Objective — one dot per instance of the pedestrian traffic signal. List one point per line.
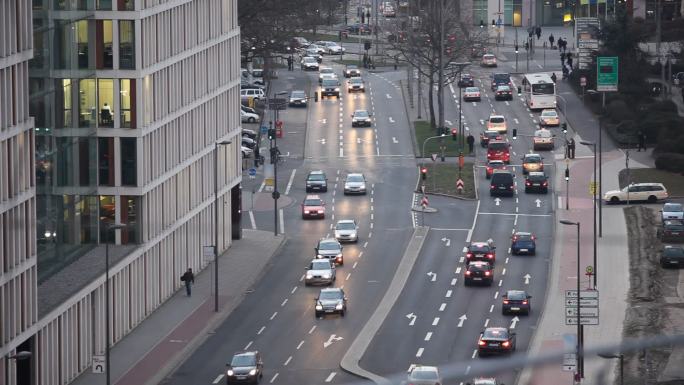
(423, 173)
(271, 133)
(516, 47)
(515, 133)
(453, 133)
(565, 128)
(367, 45)
(567, 173)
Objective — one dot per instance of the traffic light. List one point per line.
(274, 154)
(367, 45)
(567, 173)
(515, 133)
(516, 47)
(271, 133)
(565, 128)
(481, 24)
(453, 133)
(423, 173)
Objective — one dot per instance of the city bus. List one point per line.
(539, 91)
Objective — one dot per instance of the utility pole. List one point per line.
(440, 76)
(376, 26)
(659, 37)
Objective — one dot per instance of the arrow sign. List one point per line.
(447, 240)
(538, 202)
(332, 339)
(321, 141)
(527, 278)
(514, 322)
(391, 120)
(395, 140)
(461, 319)
(433, 276)
(359, 140)
(497, 201)
(323, 121)
(388, 96)
(412, 317)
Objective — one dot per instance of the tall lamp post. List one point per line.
(108, 341)
(216, 220)
(580, 343)
(274, 160)
(587, 143)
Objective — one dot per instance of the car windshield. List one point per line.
(674, 225)
(549, 114)
(361, 114)
(356, 81)
(543, 134)
(243, 360)
(489, 56)
(345, 226)
(543, 88)
(672, 207)
(496, 163)
(516, 295)
(478, 267)
(327, 71)
(309, 59)
(466, 77)
(491, 134)
(312, 202)
(479, 248)
(501, 77)
(497, 119)
(674, 252)
(330, 295)
(320, 264)
(472, 89)
(298, 94)
(311, 52)
(328, 246)
(497, 146)
(495, 333)
(536, 178)
(330, 82)
(424, 375)
(503, 88)
(354, 178)
(532, 159)
(316, 177)
(352, 67)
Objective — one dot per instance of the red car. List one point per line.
(498, 150)
(494, 165)
(488, 135)
(313, 207)
(481, 251)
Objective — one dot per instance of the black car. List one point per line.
(479, 272)
(331, 249)
(516, 301)
(496, 341)
(672, 231)
(503, 92)
(359, 29)
(672, 256)
(245, 368)
(298, 98)
(330, 87)
(331, 301)
(502, 183)
(248, 142)
(316, 181)
(536, 181)
(466, 80)
(480, 251)
(523, 243)
(488, 135)
(500, 79)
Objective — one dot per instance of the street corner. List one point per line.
(263, 201)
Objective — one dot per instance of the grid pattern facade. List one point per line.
(18, 286)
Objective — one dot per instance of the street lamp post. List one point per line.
(108, 342)
(579, 320)
(216, 220)
(274, 160)
(586, 143)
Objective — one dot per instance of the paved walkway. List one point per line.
(170, 334)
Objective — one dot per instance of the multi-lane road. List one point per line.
(436, 320)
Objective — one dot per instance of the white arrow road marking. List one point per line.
(333, 338)
(516, 120)
(323, 121)
(447, 240)
(321, 141)
(420, 352)
(394, 140)
(448, 122)
(388, 96)
(330, 377)
(433, 276)
(538, 202)
(461, 319)
(460, 260)
(497, 201)
(527, 278)
(412, 317)
(507, 103)
(391, 120)
(428, 336)
(482, 122)
(514, 322)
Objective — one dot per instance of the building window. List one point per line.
(105, 101)
(127, 103)
(107, 217)
(126, 5)
(105, 161)
(87, 108)
(129, 216)
(82, 43)
(105, 5)
(103, 34)
(129, 172)
(126, 44)
(480, 12)
(71, 5)
(63, 103)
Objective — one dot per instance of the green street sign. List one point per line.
(606, 73)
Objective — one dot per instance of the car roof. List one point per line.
(648, 184)
(331, 290)
(497, 116)
(352, 66)
(549, 110)
(496, 161)
(514, 292)
(247, 353)
(312, 196)
(496, 329)
(532, 155)
(313, 172)
(522, 233)
(478, 244)
(328, 240)
(479, 263)
(499, 172)
(488, 54)
(503, 86)
(472, 89)
(346, 221)
(361, 111)
(354, 174)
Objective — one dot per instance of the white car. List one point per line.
(331, 48)
(542, 140)
(320, 271)
(472, 93)
(423, 375)
(346, 230)
(246, 152)
(672, 211)
(248, 117)
(355, 184)
(326, 73)
(649, 192)
(309, 63)
(318, 48)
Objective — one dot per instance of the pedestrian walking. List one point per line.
(365, 60)
(289, 63)
(551, 40)
(538, 32)
(471, 142)
(569, 59)
(571, 148)
(642, 141)
(189, 279)
(553, 77)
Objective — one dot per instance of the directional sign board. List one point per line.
(252, 173)
(588, 305)
(570, 302)
(607, 73)
(264, 129)
(99, 365)
(584, 294)
(585, 312)
(584, 320)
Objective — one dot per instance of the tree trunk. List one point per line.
(431, 100)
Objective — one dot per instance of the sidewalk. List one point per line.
(170, 334)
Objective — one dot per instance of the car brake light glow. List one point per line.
(524, 302)
(487, 273)
(490, 256)
(481, 343)
(545, 184)
(506, 344)
(467, 272)
(527, 183)
(469, 255)
(505, 302)
(491, 187)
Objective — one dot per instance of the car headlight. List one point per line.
(306, 211)
(326, 275)
(229, 372)
(309, 275)
(337, 234)
(361, 86)
(338, 306)
(338, 256)
(319, 307)
(337, 88)
(252, 372)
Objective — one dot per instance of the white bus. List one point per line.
(539, 91)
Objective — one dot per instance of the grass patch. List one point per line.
(672, 181)
(423, 131)
(442, 179)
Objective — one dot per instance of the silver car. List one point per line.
(361, 118)
(355, 184)
(423, 375)
(320, 272)
(330, 249)
(673, 211)
(346, 230)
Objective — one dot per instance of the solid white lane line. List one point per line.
(274, 378)
(248, 345)
(252, 220)
(274, 315)
(218, 378)
(491, 308)
(486, 322)
(289, 183)
(435, 321)
(442, 307)
(472, 228)
(448, 294)
(261, 330)
(348, 275)
(453, 281)
(287, 361)
(354, 265)
(312, 329)
(330, 377)
(419, 353)
(428, 336)
(284, 302)
(300, 344)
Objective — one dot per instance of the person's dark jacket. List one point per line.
(470, 139)
(188, 277)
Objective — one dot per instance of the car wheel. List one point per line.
(251, 120)
(614, 200)
(652, 199)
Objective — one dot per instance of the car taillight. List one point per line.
(506, 344)
(491, 187)
(490, 256)
(489, 155)
(469, 255)
(525, 302)
(467, 272)
(544, 184)
(487, 273)
(481, 343)
(527, 183)
(510, 187)
(505, 302)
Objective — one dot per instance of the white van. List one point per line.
(649, 192)
(255, 93)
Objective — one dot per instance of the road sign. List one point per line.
(434, 157)
(583, 302)
(584, 312)
(606, 73)
(264, 129)
(589, 270)
(583, 81)
(459, 184)
(99, 364)
(584, 320)
(424, 202)
(252, 173)
(569, 368)
(583, 294)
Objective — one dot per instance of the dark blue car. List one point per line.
(523, 243)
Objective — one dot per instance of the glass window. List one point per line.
(127, 103)
(104, 5)
(63, 99)
(71, 5)
(105, 161)
(107, 217)
(105, 101)
(129, 216)
(126, 5)
(126, 44)
(480, 12)
(103, 34)
(87, 108)
(82, 43)
(129, 174)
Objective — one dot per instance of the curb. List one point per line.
(412, 132)
(350, 360)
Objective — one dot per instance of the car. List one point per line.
(320, 272)
(248, 142)
(245, 367)
(480, 251)
(536, 181)
(549, 118)
(361, 118)
(317, 47)
(502, 183)
(543, 140)
(331, 48)
(258, 76)
(330, 87)
(649, 192)
(472, 94)
(497, 123)
(246, 152)
(672, 230)
(501, 79)
(255, 93)
(249, 133)
(326, 73)
(496, 340)
(672, 256)
(516, 301)
(248, 109)
(478, 272)
(532, 162)
(356, 84)
(346, 230)
(248, 117)
(331, 301)
(359, 29)
(423, 375)
(312, 52)
(466, 80)
(488, 60)
(298, 98)
(672, 211)
(250, 86)
(523, 243)
(351, 70)
(396, 37)
(316, 181)
(355, 183)
(309, 64)
(484, 381)
(487, 135)
(299, 42)
(494, 165)
(331, 249)
(503, 92)
(499, 150)
(313, 207)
